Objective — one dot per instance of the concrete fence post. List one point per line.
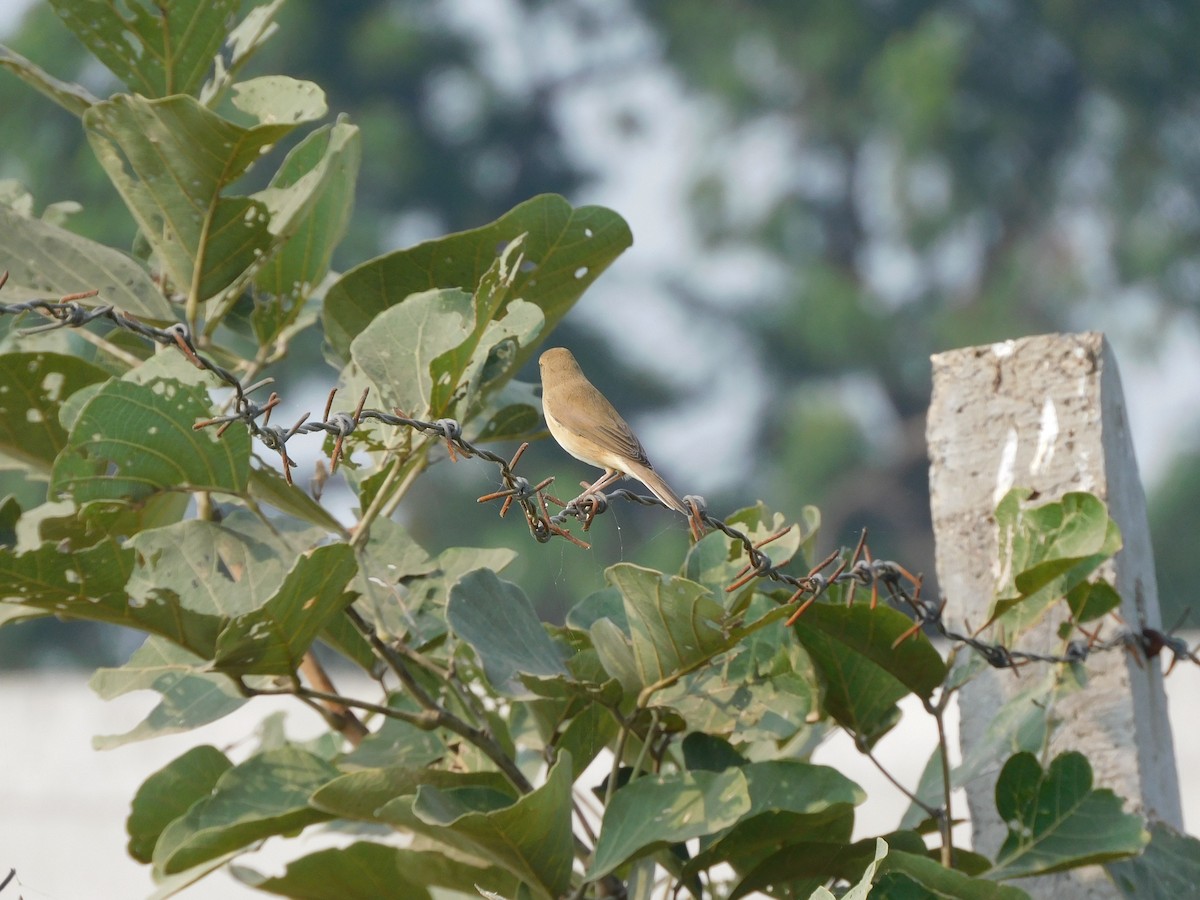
(1047, 413)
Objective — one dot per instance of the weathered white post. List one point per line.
(1047, 413)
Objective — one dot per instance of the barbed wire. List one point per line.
(853, 569)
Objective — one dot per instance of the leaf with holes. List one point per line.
(33, 387)
(156, 49)
(272, 640)
(191, 697)
(310, 199)
(564, 251)
(89, 584)
(210, 567)
(172, 159)
(131, 441)
(485, 360)
(43, 259)
(241, 42)
(72, 97)
(430, 355)
(395, 353)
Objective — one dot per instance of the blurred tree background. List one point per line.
(822, 194)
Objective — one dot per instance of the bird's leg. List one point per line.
(610, 476)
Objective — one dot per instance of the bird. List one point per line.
(587, 426)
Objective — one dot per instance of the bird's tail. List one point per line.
(660, 489)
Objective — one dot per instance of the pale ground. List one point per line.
(63, 805)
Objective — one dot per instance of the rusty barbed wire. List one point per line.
(855, 569)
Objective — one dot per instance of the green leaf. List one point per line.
(310, 199)
(190, 696)
(396, 739)
(656, 811)
(1056, 536)
(565, 249)
(171, 159)
(790, 802)
(586, 735)
(909, 874)
(530, 838)
(498, 621)
(802, 866)
(418, 610)
(72, 97)
(1021, 724)
(156, 49)
(132, 440)
(862, 674)
(707, 753)
(487, 356)
(615, 654)
(511, 413)
(675, 625)
(273, 639)
(33, 387)
(717, 560)
(168, 793)
(915, 662)
(1056, 820)
(1046, 551)
(370, 871)
(363, 795)
(340, 634)
(264, 796)
(90, 584)
(1168, 868)
(241, 43)
(487, 299)
(208, 567)
(512, 422)
(1090, 600)
(396, 351)
(755, 694)
(606, 603)
(410, 353)
(44, 260)
(269, 486)
(862, 889)
(771, 708)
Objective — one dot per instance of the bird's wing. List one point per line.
(622, 440)
(617, 438)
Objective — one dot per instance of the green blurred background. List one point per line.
(822, 194)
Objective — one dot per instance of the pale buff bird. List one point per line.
(585, 425)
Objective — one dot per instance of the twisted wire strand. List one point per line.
(853, 568)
